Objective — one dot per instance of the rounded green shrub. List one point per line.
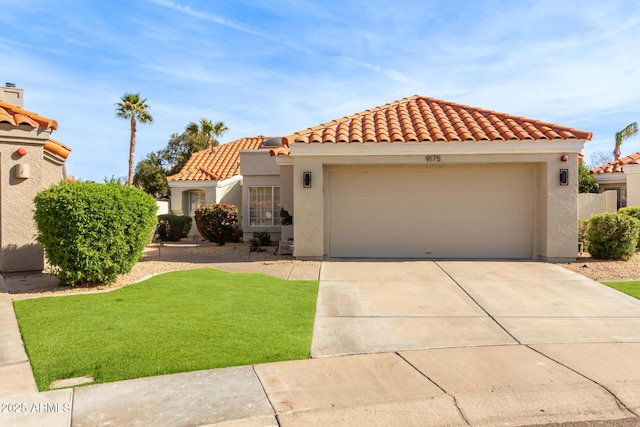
(172, 228)
(633, 211)
(613, 236)
(263, 236)
(93, 232)
(216, 222)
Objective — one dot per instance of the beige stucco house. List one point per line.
(30, 161)
(415, 178)
(622, 176)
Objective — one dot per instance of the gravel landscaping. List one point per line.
(186, 255)
(156, 260)
(603, 271)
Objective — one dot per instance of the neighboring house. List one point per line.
(415, 178)
(30, 161)
(210, 176)
(623, 176)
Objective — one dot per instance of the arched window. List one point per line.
(192, 200)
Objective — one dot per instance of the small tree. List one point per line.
(587, 183)
(216, 222)
(92, 232)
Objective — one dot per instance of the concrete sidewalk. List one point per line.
(526, 374)
(477, 386)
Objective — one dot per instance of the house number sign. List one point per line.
(433, 158)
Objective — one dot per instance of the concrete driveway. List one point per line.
(378, 306)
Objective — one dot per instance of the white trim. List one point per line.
(631, 168)
(422, 148)
(284, 160)
(612, 178)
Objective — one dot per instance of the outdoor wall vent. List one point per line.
(22, 171)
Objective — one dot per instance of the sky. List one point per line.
(275, 67)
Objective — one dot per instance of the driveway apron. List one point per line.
(375, 306)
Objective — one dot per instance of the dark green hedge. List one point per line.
(172, 228)
(92, 232)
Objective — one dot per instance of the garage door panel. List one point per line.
(442, 213)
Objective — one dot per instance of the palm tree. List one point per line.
(625, 133)
(136, 110)
(209, 129)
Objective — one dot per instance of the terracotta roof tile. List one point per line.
(216, 164)
(617, 166)
(57, 147)
(16, 116)
(421, 119)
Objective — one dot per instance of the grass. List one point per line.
(629, 287)
(175, 322)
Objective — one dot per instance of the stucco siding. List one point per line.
(20, 252)
(554, 207)
(632, 173)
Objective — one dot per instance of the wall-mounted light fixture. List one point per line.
(564, 176)
(306, 179)
(564, 158)
(21, 152)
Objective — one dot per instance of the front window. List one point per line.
(196, 199)
(264, 206)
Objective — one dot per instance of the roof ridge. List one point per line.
(434, 120)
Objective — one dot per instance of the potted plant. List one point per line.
(286, 231)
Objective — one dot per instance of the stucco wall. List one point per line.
(20, 251)
(632, 173)
(590, 204)
(258, 169)
(562, 210)
(555, 210)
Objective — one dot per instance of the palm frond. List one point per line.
(625, 133)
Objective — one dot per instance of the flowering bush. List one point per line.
(216, 222)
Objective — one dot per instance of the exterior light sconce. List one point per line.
(21, 152)
(306, 179)
(564, 158)
(564, 176)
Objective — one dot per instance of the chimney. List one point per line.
(9, 93)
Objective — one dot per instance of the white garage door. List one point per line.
(439, 212)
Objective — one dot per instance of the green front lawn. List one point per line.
(175, 322)
(629, 287)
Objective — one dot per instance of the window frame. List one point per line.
(255, 221)
(192, 209)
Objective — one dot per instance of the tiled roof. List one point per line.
(16, 116)
(617, 165)
(216, 164)
(421, 119)
(57, 147)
